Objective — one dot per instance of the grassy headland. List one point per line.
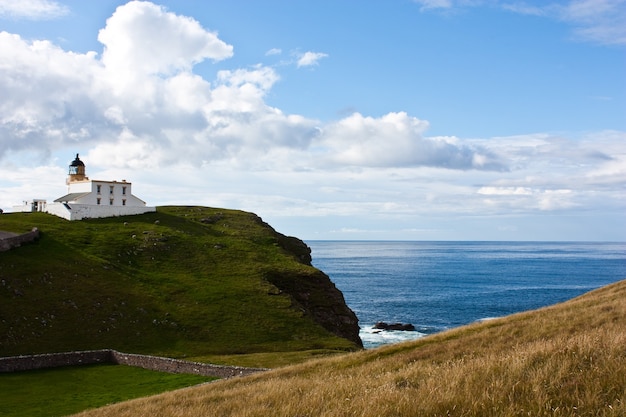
(187, 282)
(564, 360)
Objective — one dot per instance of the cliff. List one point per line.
(180, 282)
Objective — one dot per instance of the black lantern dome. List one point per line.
(77, 170)
(77, 162)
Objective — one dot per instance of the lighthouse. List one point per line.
(76, 171)
(87, 198)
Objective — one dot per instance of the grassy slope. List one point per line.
(182, 282)
(565, 360)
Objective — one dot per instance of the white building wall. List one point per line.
(59, 209)
(71, 211)
(106, 193)
(79, 187)
(31, 206)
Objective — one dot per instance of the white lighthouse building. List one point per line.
(87, 198)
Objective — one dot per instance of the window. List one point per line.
(110, 202)
(124, 202)
(98, 189)
(123, 190)
(97, 201)
(111, 189)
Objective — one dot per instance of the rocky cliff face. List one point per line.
(315, 293)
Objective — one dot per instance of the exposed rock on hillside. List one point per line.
(315, 293)
(318, 297)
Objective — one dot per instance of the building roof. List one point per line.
(77, 162)
(70, 197)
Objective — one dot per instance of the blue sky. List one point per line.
(416, 120)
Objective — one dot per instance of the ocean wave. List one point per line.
(373, 338)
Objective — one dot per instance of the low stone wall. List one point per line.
(178, 366)
(155, 363)
(53, 360)
(11, 242)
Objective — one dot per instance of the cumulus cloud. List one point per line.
(140, 104)
(143, 38)
(46, 94)
(396, 139)
(32, 9)
(308, 59)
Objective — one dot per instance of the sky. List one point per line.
(332, 120)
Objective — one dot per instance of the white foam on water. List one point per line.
(373, 338)
(487, 319)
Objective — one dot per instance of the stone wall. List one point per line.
(155, 363)
(11, 242)
(178, 366)
(53, 360)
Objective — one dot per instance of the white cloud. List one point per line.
(45, 94)
(274, 51)
(308, 59)
(143, 38)
(32, 9)
(516, 198)
(397, 139)
(435, 4)
(505, 191)
(141, 106)
(528, 9)
(601, 21)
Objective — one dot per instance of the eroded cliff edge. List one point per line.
(316, 293)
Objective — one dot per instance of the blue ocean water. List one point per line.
(441, 285)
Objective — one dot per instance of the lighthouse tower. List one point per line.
(76, 171)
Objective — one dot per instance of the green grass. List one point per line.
(564, 360)
(181, 282)
(63, 391)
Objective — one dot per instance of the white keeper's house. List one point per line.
(87, 198)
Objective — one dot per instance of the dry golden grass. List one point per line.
(565, 360)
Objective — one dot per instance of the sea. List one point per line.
(441, 285)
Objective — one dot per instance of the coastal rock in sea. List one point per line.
(408, 327)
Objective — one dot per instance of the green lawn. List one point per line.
(68, 390)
